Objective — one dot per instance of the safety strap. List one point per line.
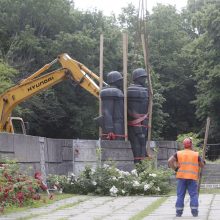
(139, 158)
(139, 118)
(113, 136)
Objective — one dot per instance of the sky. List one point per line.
(109, 6)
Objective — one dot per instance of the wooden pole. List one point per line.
(125, 81)
(204, 150)
(150, 103)
(100, 78)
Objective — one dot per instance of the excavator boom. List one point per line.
(70, 69)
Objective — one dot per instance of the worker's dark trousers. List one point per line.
(191, 186)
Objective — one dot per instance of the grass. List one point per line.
(210, 191)
(36, 204)
(148, 210)
(69, 205)
(213, 161)
(202, 191)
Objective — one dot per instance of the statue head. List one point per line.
(139, 76)
(115, 78)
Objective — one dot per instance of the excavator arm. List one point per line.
(39, 81)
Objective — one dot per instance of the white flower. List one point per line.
(146, 187)
(116, 169)
(134, 172)
(122, 191)
(114, 178)
(124, 173)
(158, 189)
(105, 166)
(136, 183)
(92, 171)
(153, 174)
(113, 191)
(72, 174)
(94, 183)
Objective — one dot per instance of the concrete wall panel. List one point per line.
(67, 153)
(26, 148)
(54, 150)
(6, 142)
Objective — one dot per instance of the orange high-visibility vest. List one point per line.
(188, 164)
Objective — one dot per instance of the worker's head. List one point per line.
(114, 78)
(139, 76)
(187, 143)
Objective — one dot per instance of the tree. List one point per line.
(167, 39)
(204, 52)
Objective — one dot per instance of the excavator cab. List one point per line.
(18, 125)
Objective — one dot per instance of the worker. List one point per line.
(112, 102)
(137, 114)
(186, 163)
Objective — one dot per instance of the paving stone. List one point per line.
(119, 208)
(44, 210)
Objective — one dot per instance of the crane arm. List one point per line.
(37, 82)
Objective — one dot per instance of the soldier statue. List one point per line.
(137, 114)
(112, 102)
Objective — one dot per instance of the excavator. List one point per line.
(39, 81)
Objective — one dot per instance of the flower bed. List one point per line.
(108, 180)
(16, 189)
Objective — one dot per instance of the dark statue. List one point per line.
(112, 101)
(137, 114)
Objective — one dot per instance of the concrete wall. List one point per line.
(60, 156)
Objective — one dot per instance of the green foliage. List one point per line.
(57, 182)
(108, 180)
(184, 55)
(197, 142)
(7, 73)
(166, 40)
(204, 52)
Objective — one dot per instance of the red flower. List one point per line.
(30, 188)
(9, 178)
(36, 197)
(20, 196)
(38, 176)
(5, 195)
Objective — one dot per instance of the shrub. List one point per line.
(16, 188)
(108, 180)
